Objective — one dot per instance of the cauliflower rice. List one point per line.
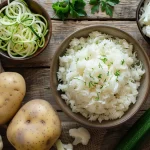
(99, 76)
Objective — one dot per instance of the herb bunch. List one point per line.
(106, 5)
(74, 8)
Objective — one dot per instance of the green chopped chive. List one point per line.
(100, 76)
(105, 80)
(111, 63)
(91, 76)
(97, 98)
(117, 73)
(104, 59)
(122, 62)
(92, 84)
(108, 73)
(87, 58)
(101, 87)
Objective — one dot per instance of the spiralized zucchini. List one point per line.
(21, 31)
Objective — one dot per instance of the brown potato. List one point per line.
(12, 92)
(36, 126)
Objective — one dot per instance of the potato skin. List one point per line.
(12, 92)
(36, 126)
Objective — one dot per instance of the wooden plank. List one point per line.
(125, 10)
(62, 30)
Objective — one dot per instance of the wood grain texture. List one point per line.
(126, 9)
(61, 30)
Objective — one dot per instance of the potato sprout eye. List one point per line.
(28, 121)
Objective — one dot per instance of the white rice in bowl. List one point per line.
(99, 76)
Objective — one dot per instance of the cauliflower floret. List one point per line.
(81, 135)
(68, 146)
(1, 143)
(61, 146)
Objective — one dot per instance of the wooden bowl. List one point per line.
(138, 12)
(38, 9)
(143, 90)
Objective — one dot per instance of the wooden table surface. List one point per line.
(37, 71)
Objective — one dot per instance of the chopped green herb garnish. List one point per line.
(104, 59)
(111, 63)
(122, 62)
(105, 80)
(92, 84)
(101, 87)
(100, 76)
(117, 73)
(87, 58)
(91, 76)
(97, 98)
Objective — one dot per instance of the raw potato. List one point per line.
(36, 126)
(12, 92)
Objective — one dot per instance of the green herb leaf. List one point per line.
(122, 62)
(73, 13)
(100, 76)
(95, 9)
(117, 73)
(94, 2)
(109, 10)
(97, 98)
(114, 2)
(106, 5)
(75, 8)
(104, 59)
(103, 6)
(61, 9)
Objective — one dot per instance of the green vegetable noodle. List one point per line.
(21, 31)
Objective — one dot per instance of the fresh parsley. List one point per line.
(92, 84)
(74, 8)
(97, 98)
(104, 59)
(100, 76)
(117, 73)
(106, 5)
(122, 62)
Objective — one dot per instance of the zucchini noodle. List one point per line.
(21, 31)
